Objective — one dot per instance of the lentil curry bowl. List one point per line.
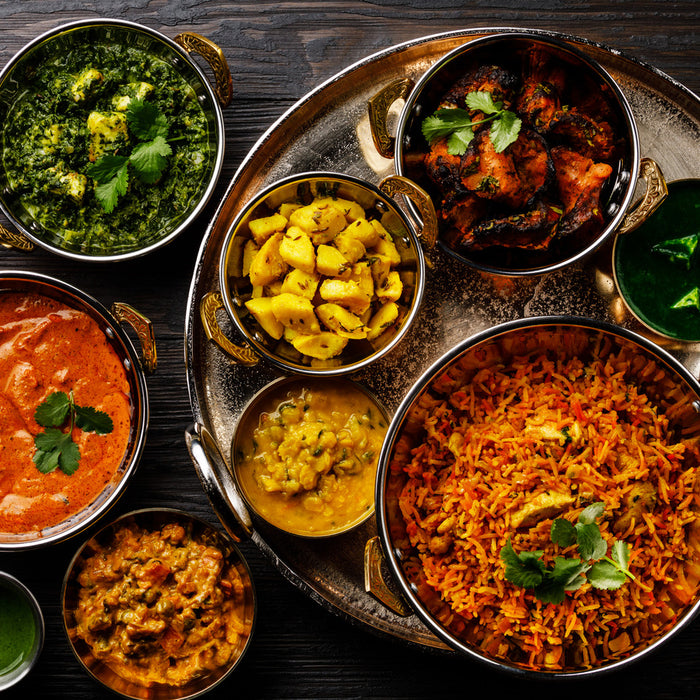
(157, 599)
(515, 452)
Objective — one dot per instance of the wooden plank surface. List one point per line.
(277, 52)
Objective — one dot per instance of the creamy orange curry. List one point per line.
(45, 347)
(309, 464)
(161, 606)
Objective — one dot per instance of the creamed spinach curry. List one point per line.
(74, 112)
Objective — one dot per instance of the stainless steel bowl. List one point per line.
(135, 365)
(153, 519)
(671, 384)
(235, 287)
(175, 52)
(506, 49)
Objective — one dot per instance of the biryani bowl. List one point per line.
(481, 455)
(225, 620)
(66, 303)
(66, 230)
(479, 222)
(272, 290)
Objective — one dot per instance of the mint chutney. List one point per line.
(18, 633)
(651, 283)
(70, 110)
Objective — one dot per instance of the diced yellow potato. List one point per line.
(289, 334)
(268, 264)
(363, 231)
(351, 248)
(301, 283)
(321, 222)
(362, 275)
(106, 129)
(392, 289)
(250, 250)
(297, 250)
(345, 293)
(385, 245)
(381, 267)
(322, 346)
(331, 262)
(286, 208)
(261, 229)
(295, 312)
(341, 321)
(351, 210)
(382, 319)
(261, 309)
(274, 288)
(258, 291)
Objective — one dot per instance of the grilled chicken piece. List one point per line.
(544, 505)
(532, 163)
(580, 181)
(583, 134)
(642, 496)
(494, 79)
(442, 167)
(537, 104)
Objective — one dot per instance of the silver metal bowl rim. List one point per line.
(164, 513)
(276, 359)
(270, 388)
(220, 139)
(140, 402)
(559, 42)
(394, 428)
(10, 679)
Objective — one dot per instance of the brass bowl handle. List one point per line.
(397, 184)
(241, 354)
(376, 585)
(378, 109)
(10, 239)
(218, 483)
(144, 331)
(214, 56)
(657, 191)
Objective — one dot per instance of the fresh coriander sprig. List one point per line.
(550, 584)
(56, 448)
(148, 159)
(456, 124)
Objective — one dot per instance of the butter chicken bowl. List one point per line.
(159, 604)
(538, 497)
(75, 408)
(321, 273)
(112, 138)
(527, 146)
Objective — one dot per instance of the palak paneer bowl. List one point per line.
(322, 273)
(112, 139)
(538, 497)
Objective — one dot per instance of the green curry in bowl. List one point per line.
(109, 142)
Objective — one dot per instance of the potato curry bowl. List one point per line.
(322, 273)
(159, 604)
(528, 148)
(305, 454)
(111, 139)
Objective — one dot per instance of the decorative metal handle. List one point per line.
(657, 191)
(375, 584)
(218, 483)
(242, 354)
(144, 331)
(378, 109)
(214, 56)
(10, 239)
(397, 184)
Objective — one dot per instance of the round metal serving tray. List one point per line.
(328, 129)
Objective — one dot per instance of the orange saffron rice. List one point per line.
(520, 431)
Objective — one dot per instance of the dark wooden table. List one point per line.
(277, 52)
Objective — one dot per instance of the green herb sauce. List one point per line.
(17, 630)
(652, 283)
(73, 109)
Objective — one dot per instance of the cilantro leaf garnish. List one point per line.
(457, 123)
(56, 448)
(550, 583)
(148, 158)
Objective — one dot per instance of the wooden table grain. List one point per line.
(278, 51)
